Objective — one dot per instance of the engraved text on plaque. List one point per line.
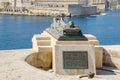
(75, 59)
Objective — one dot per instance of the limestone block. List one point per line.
(43, 42)
(98, 56)
(73, 42)
(90, 37)
(94, 42)
(42, 38)
(44, 49)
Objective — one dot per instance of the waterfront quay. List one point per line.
(18, 13)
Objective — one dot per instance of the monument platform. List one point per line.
(73, 53)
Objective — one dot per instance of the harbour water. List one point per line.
(16, 31)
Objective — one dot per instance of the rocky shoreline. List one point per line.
(14, 67)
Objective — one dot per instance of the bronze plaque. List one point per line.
(75, 59)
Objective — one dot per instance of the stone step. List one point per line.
(73, 42)
(44, 49)
(41, 37)
(43, 42)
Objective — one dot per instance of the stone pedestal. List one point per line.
(72, 52)
(80, 59)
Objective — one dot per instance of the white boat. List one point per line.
(103, 14)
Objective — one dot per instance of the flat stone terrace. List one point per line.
(14, 67)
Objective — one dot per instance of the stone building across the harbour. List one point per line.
(53, 7)
(62, 7)
(100, 4)
(12, 5)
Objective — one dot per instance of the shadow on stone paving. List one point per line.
(105, 72)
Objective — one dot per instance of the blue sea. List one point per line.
(16, 32)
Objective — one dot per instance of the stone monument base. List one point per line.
(73, 59)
